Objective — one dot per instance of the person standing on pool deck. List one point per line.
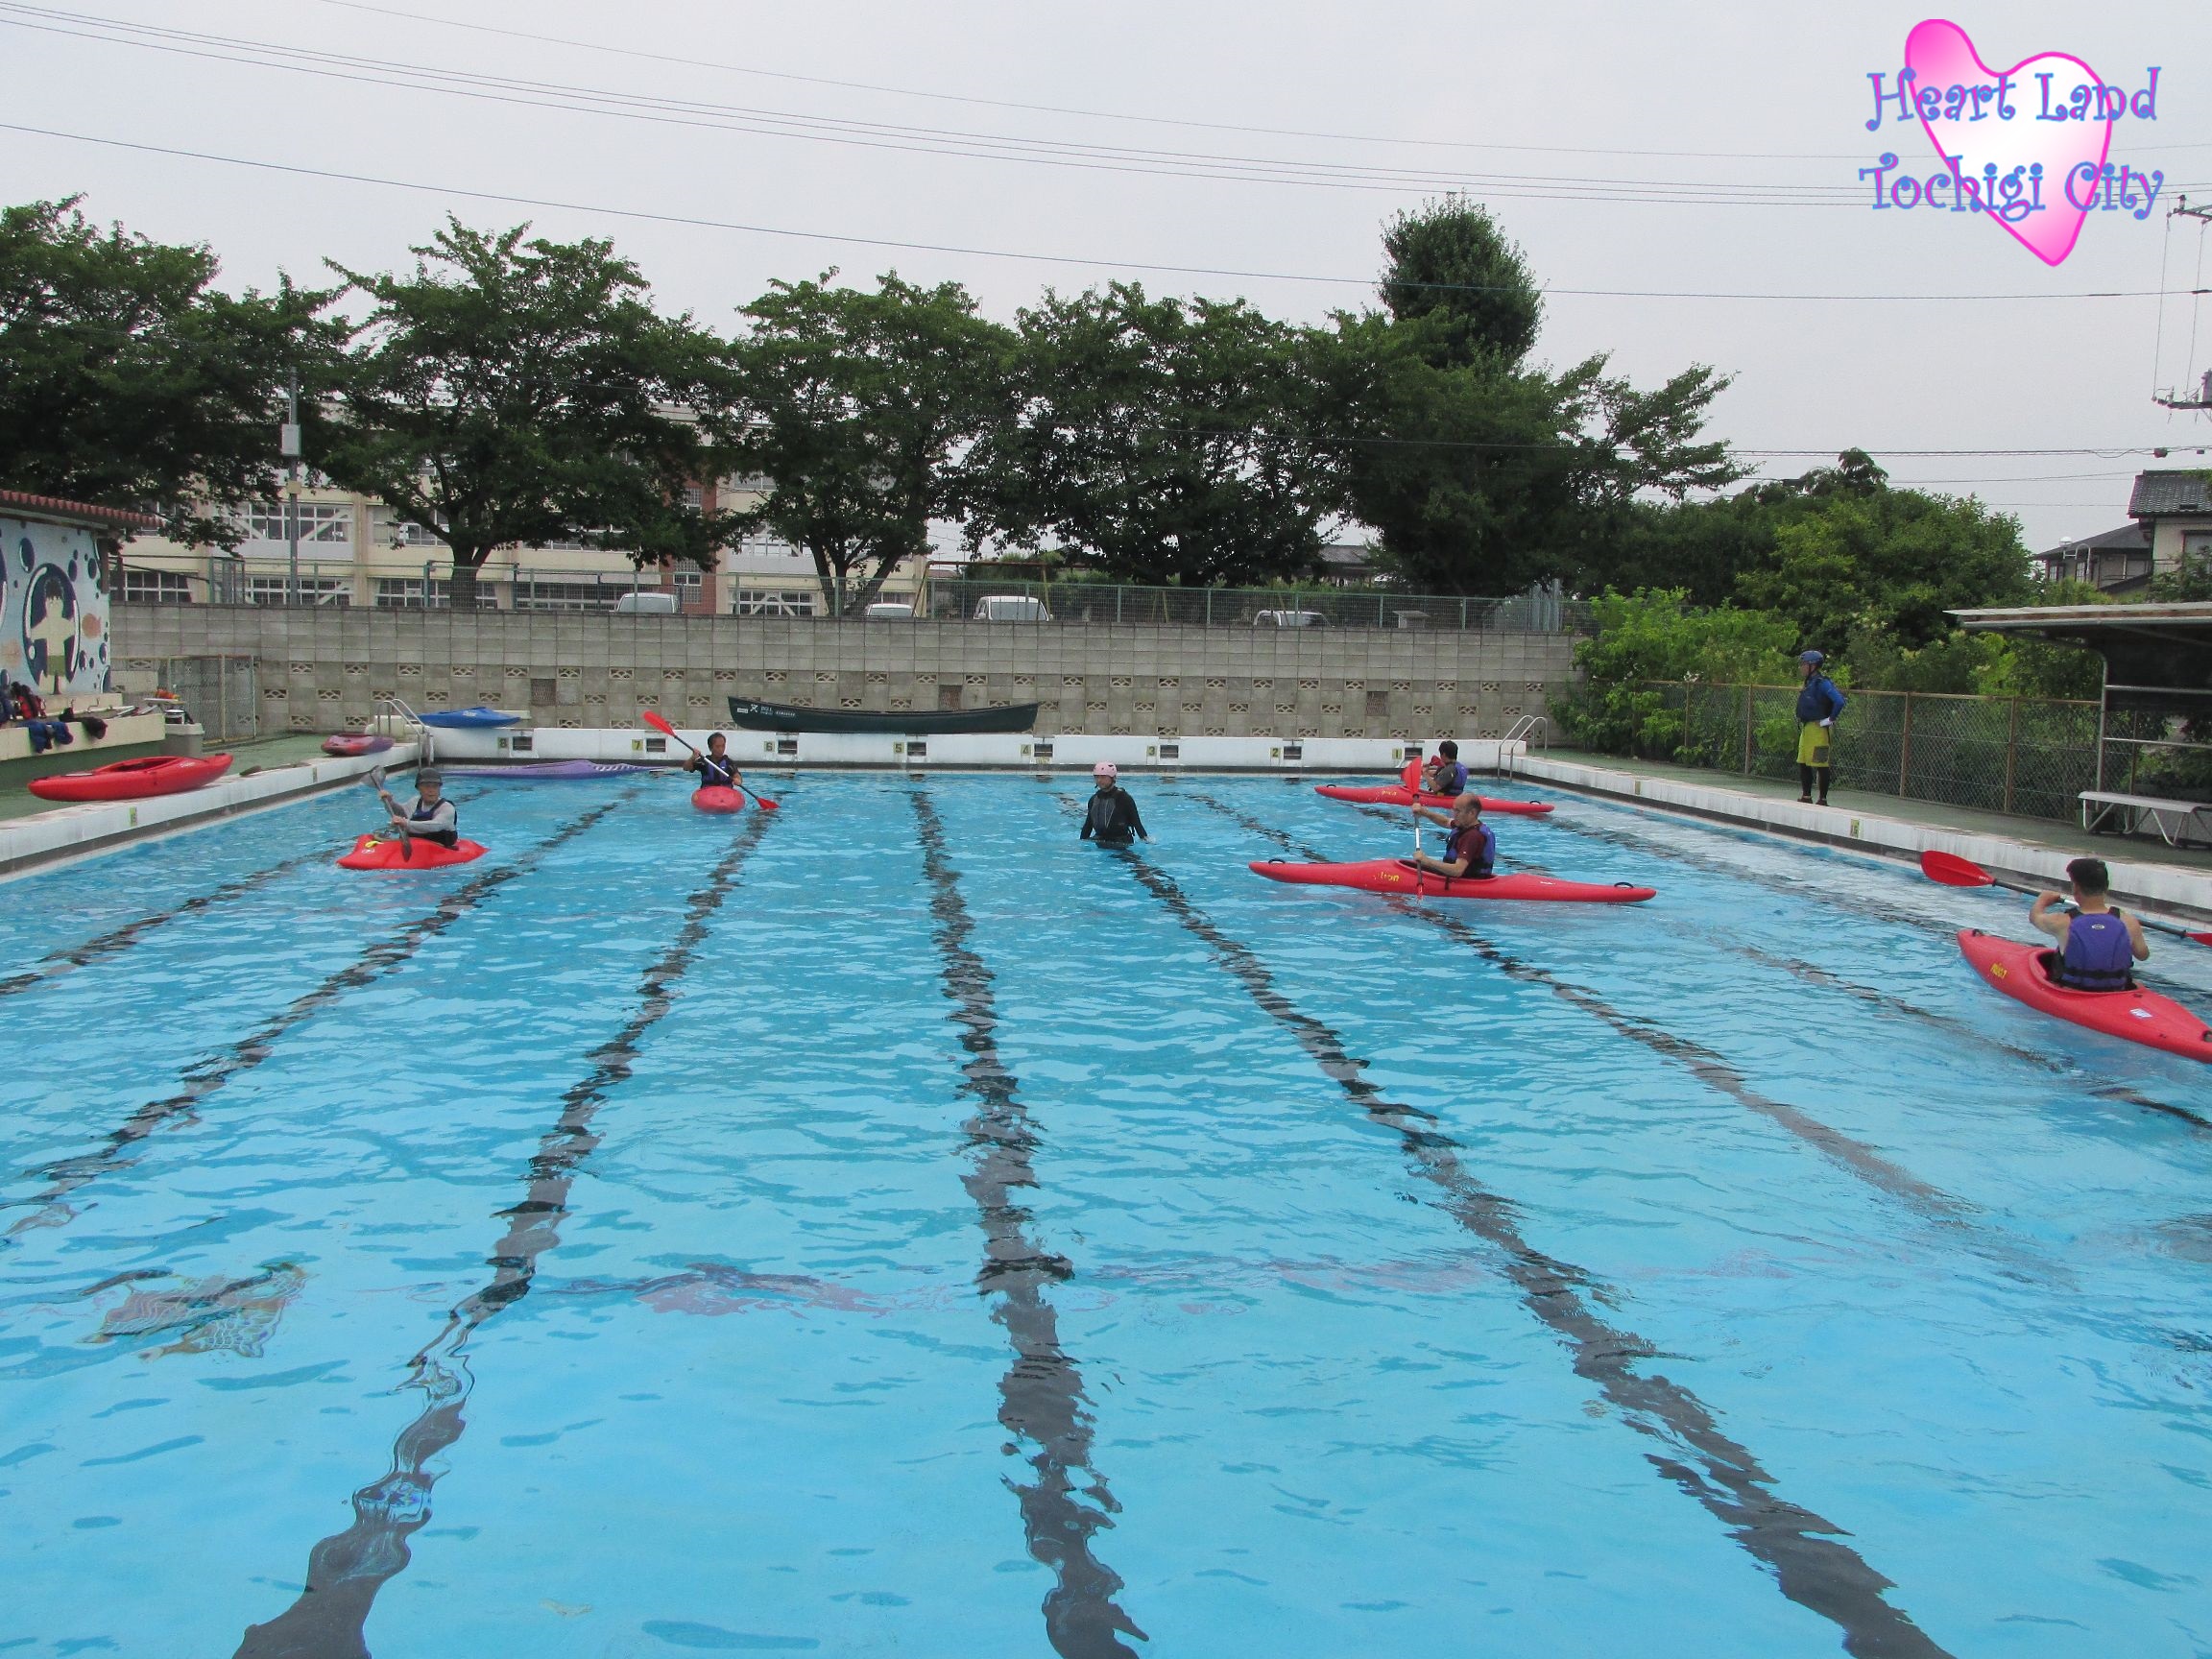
(1111, 818)
(1818, 706)
(2098, 945)
(1444, 775)
(430, 817)
(1470, 849)
(716, 769)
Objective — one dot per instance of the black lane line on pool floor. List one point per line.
(118, 940)
(205, 1076)
(346, 1570)
(1811, 1565)
(1715, 1072)
(1041, 1398)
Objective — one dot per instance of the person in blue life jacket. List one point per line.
(1818, 703)
(1470, 846)
(428, 817)
(1444, 775)
(1111, 817)
(716, 769)
(2097, 944)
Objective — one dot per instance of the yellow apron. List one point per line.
(1812, 744)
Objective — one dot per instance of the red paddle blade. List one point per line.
(1953, 870)
(657, 723)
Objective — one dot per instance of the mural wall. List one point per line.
(54, 611)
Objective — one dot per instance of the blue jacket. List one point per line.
(1819, 700)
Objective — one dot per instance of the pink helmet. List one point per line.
(1105, 769)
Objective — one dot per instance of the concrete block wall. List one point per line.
(322, 669)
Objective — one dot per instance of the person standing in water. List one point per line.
(716, 769)
(1111, 818)
(1471, 846)
(1818, 703)
(2098, 946)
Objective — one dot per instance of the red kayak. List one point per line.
(2022, 971)
(134, 779)
(1397, 875)
(1398, 795)
(371, 854)
(713, 798)
(350, 743)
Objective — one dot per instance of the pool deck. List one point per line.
(34, 833)
(2024, 852)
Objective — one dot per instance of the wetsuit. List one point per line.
(1476, 844)
(438, 823)
(715, 773)
(2099, 954)
(1111, 818)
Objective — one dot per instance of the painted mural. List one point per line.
(54, 613)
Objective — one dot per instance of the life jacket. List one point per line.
(419, 813)
(1477, 844)
(2099, 955)
(716, 774)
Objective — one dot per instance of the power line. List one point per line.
(846, 238)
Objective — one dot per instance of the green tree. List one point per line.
(1482, 472)
(513, 393)
(1642, 641)
(128, 380)
(857, 406)
(1168, 437)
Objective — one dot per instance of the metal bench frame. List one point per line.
(2172, 819)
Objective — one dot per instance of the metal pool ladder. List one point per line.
(1520, 732)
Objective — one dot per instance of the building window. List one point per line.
(406, 533)
(566, 596)
(155, 588)
(332, 590)
(319, 521)
(405, 593)
(689, 584)
(695, 497)
(774, 602)
(767, 546)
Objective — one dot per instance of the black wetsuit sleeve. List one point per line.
(1131, 820)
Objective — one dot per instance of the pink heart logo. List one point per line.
(1974, 135)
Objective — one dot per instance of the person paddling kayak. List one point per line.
(1444, 775)
(1111, 818)
(1469, 847)
(716, 769)
(2098, 946)
(428, 817)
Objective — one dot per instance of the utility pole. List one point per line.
(2172, 398)
(288, 447)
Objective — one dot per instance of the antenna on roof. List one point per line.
(2169, 398)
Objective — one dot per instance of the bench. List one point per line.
(2174, 820)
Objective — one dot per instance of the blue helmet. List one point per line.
(1812, 656)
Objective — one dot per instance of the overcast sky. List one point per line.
(1626, 147)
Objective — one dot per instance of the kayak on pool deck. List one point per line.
(2022, 971)
(713, 798)
(348, 743)
(1398, 875)
(1398, 795)
(134, 779)
(371, 854)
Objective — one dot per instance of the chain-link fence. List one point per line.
(1996, 754)
(222, 693)
(977, 598)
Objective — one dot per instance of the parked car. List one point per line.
(644, 604)
(1289, 620)
(1011, 608)
(889, 611)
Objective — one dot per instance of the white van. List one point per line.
(1011, 608)
(645, 603)
(889, 611)
(1289, 620)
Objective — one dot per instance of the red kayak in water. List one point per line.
(134, 779)
(713, 798)
(1398, 875)
(371, 854)
(2022, 972)
(1398, 795)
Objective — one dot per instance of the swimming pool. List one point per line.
(887, 1224)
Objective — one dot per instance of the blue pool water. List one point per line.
(889, 1225)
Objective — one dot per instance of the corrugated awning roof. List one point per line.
(2143, 645)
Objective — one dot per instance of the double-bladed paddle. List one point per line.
(663, 727)
(1953, 871)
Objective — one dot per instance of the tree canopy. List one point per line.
(1168, 438)
(518, 392)
(131, 381)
